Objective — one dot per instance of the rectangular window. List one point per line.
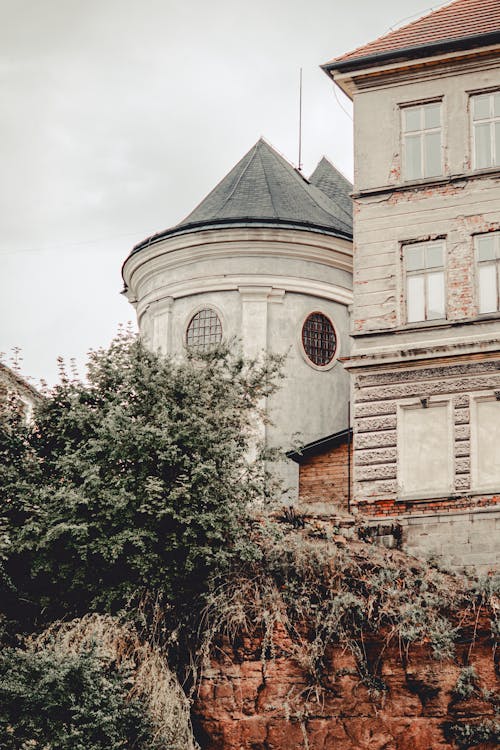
(425, 450)
(425, 287)
(485, 439)
(488, 272)
(422, 141)
(486, 130)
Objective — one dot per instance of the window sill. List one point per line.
(420, 497)
(428, 182)
(429, 325)
(456, 494)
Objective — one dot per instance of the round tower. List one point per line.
(265, 259)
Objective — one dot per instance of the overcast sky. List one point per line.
(119, 116)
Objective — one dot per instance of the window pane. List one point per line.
(415, 300)
(497, 144)
(496, 105)
(414, 256)
(432, 115)
(481, 106)
(432, 146)
(488, 437)
(482, 145)
(486, 247)
(412, 119)
(204, 330)
(435, 295)
(424, 450)
(488, 288)
(413, 159)
(434, 253)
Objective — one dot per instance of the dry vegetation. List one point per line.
(116, 643)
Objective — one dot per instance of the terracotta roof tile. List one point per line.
(457, 20)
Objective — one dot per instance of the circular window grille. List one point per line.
(318, 339)
(204, 330)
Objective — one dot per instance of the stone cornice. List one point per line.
(234, 282)
(422, 356)
(176, 252)
(379, 74)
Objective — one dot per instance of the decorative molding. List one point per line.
(235, 282)
(181, 251)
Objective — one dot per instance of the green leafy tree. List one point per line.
(133, 483)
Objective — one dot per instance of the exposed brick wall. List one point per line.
(324, 478)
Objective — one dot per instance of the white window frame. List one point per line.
(432, 402)
(495, 263)
(404, 108)
(491, 120)
(425, 271)
(476, 487)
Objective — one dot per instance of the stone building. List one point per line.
(265, 260)
(425, 356)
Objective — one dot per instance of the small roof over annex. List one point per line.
(462, 24)
(264, 189)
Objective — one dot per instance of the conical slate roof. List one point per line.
(332, 182)
(263, 189)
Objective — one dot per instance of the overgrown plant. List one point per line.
(91, 684)
(471, 734)
(326, 594)
(133, 483)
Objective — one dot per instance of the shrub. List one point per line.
(471, 734)
(91, 684)
(135, 483)
(54, 701)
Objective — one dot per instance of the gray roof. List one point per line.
(263, 189)
(332, 182)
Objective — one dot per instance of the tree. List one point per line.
(133, 482)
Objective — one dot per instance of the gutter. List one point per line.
(238, 223)
(414, 51)
(320, 446)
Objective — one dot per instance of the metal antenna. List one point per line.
(300, 121)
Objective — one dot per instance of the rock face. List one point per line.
(248, 703)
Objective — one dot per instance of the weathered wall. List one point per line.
(462, 539)
(377, 110)
(323, 479)
(245, 703)
(398, 365)
(378, 395)
(451, 524)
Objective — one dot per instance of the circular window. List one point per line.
(204, 330)
(319, 339)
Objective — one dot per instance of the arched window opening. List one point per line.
(204, 330)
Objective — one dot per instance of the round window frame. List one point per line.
(193, 313)
(305, 356)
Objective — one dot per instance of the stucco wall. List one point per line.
(262, 284)
(377, 110)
